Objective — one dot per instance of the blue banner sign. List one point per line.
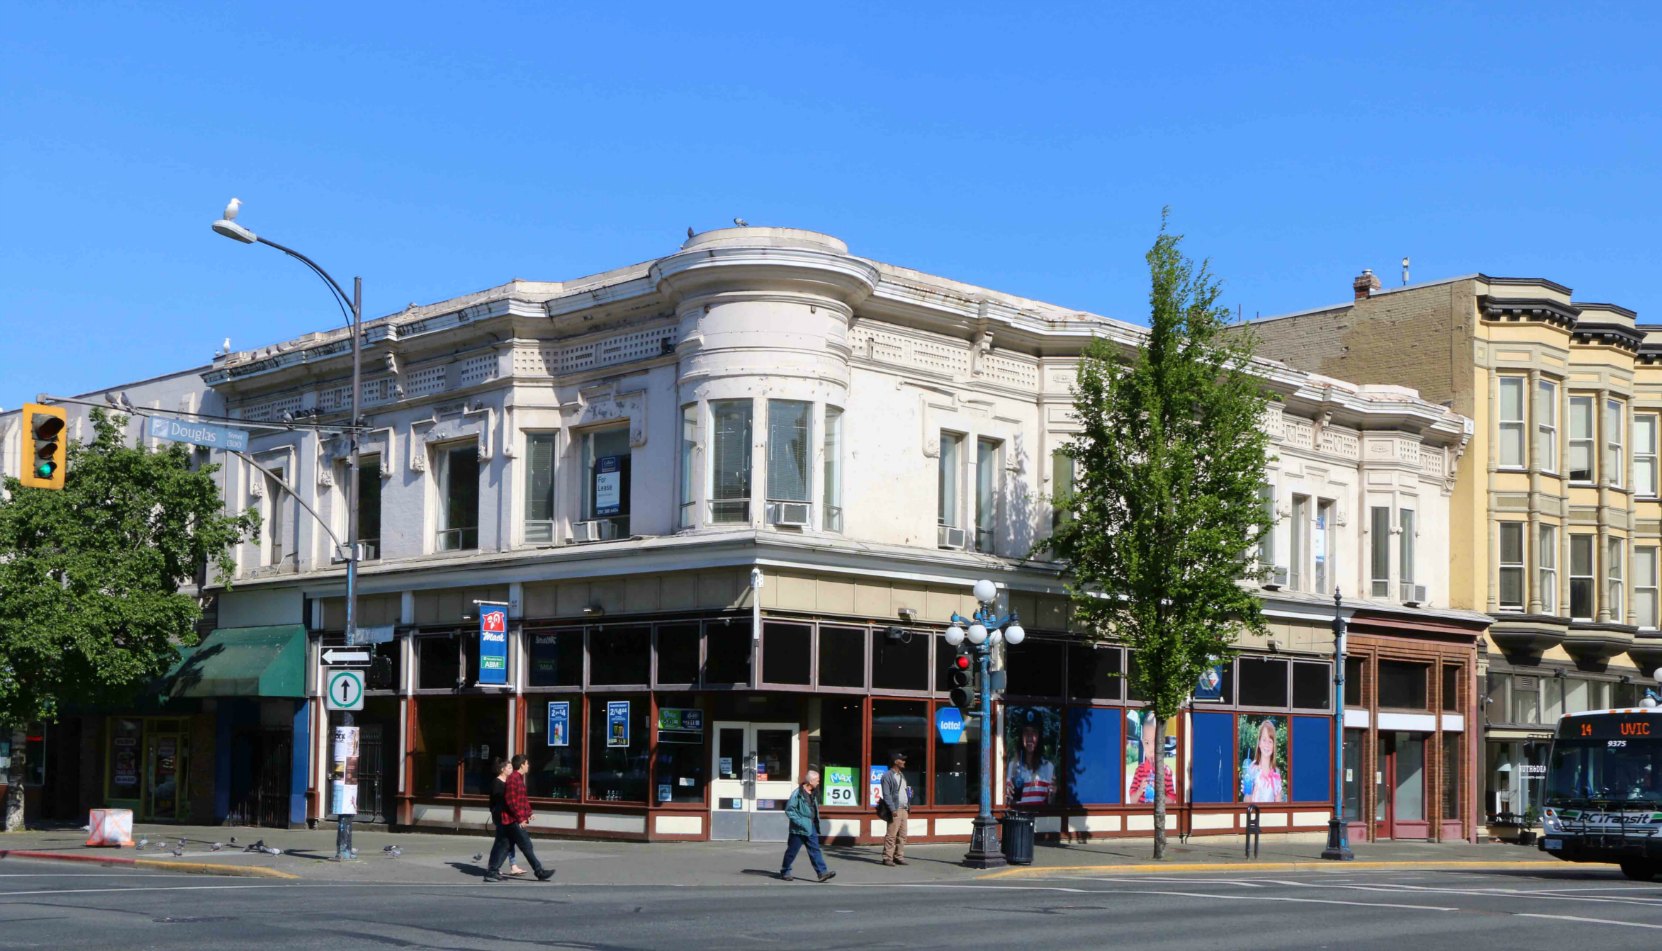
(199, 434)
(559, 723)
(949, 723)
(1209, 688)
(493, 644)
(617, 723)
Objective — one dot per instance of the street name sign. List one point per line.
(199, 434)
(345, 690)
(335, 657)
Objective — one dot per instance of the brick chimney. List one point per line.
(1365, 284)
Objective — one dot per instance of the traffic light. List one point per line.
(963, 694)
(44, 458)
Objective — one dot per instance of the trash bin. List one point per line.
(1017, 832)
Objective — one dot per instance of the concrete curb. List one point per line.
(1192, 867)
(194, 868)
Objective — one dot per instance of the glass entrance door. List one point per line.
(1399, 807)
(164, 772)
(756, 766)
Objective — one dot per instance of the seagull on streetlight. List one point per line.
(232, 208)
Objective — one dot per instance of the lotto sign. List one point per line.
(839, 786)
(493, 645)
(345, 690)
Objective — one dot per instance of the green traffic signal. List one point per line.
(44, 425)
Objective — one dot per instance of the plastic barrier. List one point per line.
(110, 827)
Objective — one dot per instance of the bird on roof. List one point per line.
(741, 222)
(690, 231)
(232, 208)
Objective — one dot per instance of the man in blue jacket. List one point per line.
(803, 812)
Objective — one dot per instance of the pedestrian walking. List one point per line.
(510, 825)
(499, 802)
(897, 796)
(803, 812)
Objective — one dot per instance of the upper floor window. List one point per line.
(1644, 453)
(1323, 549)
(456, 475)
(369, 506)
(1581, 577)
(946, 481)
(1546, 557)
(1615, 603)
(689, 451)
(831, 483)
(539, 488)
(1061, 487)
(1405, 550)
(1546, 426)
(789, 428)
(1379, 550)
(275, 524)
(1581, 439)
(1613, 442)
(606, 472)
(1511, 418)
(989, 464)
(1296, 577)
(1645, 586)
(1511, 566)
(1266, 545)
(730, 461)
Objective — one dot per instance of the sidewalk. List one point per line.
(424, 858)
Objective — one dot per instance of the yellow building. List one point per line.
(1555, 521)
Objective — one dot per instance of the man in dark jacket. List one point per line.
(803, 812)
(511, 815)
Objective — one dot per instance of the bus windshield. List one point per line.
(1591, 771)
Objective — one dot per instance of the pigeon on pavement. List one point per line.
(216, 847)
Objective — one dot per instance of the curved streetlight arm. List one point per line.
(340, 294)
(340, 546)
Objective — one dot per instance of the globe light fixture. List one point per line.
(1014, 634)
(985, 591)
(954, 636)
(996, 635)
(977, 634)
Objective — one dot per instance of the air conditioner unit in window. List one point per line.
(596, 531)
(792, 514)
(1276, 579)
(949, 537)
(1413, 594)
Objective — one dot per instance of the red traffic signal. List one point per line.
(961, 662)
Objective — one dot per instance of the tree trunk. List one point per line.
(1160, 789)
(14, 782)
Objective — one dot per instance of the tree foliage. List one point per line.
(90, 575)
(1166, 507)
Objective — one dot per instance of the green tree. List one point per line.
(90, 576)
(1166, 507)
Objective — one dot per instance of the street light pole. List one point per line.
(228, 227)
(1338, 840)
(983, 631)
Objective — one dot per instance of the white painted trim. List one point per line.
(1418, 722)
(678, 825)
(1357, 718)
(606, 823)
(1454, 723)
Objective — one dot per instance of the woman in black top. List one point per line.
(499, 805)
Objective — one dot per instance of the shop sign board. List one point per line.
(839, 786)
(949, 723)
(493, 644)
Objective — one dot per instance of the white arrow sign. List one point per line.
(334, 657)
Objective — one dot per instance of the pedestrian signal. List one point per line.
(44, 457)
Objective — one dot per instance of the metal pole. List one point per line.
(984, 851)
(1338, 838)
(343, 828)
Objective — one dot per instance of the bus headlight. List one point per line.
(1549, 820)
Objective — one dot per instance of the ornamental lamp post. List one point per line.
(983, 631)
(353, 310)
(1338, 839)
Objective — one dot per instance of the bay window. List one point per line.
(730, 461)
(1581, 439)
(539, 488)
(1546, 558)
(831, 483)
(1613, 442)
(1644, 454)
(787, 452)
(1546, 426)
(1511, 566)
(1581, 577)
(1511, 421)
(1645, 586)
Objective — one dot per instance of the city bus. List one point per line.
(1604, 790)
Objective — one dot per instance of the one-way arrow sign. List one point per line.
(340, 658)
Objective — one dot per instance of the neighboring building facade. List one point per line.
(1556, 522)
(731, 497)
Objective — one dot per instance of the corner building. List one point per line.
(731, 498)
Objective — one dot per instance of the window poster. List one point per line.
(608, 486)
(1032, 755)
(1140, 757)
(559, 723)
(1262, 742)
(617, 723)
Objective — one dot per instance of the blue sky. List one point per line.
(439, 149)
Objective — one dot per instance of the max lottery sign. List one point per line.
(493, 644)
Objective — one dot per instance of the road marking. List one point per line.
(137, 888)
(1593, 921)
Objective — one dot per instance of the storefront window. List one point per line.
(1402, 685)
(554, 746)
(1312, 684)
(1526, 700)
(619, 655)
(618, 742)
(835, 729)
(1353, 773)
(727, 647)
(682, 762)
(1451, 688)
(487, 738)
(902, 726)
(958, 767)
(438, 662)
(1495, 697)
(556, 658)
(126, 748)
(786, 653)
(1035, 669)
(899, 660)
(1453, 767)
(842, 658)
(1262, 681)
(1355, 671)
(678, 654)
(437, 741)
(1093, 672)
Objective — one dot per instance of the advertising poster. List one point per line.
(1140, 755)
(126, 764)
(608, 486)
(1209, 689)
(617, 723)
(344, 779)
(874, 782)
(493, 644)
(1032, 755)
(681, 719)
(1262, 744)
(839, 786)
(559, 723)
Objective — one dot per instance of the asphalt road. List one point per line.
(52, 905)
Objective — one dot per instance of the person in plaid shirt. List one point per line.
(510, 824)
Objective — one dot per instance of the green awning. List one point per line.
(243, 662)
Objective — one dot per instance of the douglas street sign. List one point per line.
(199, 434)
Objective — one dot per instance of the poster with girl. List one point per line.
(1140, 757)
(1032, 755)
(1263, 751)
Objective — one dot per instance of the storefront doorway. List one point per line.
(756, 765)
(164, 774)
(1400, 803)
